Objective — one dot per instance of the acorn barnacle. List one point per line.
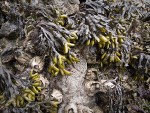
(37, 64)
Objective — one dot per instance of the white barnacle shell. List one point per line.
(44, 81)
(92, 87)
(107, 83)
(37, 64)
(57, 96)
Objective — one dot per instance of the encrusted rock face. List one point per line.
(67, 6)
(84, 89)
(91, 55)
(8, 30)
(75, 97)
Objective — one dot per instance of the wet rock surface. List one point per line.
(67, 6)
(8, 30)
(73, 88)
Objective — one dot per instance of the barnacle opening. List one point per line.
(82, 1)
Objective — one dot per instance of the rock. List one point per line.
(3, 43)
(8, 30)
(1, 19)
(97, 109)
(67, 6)
(75, 97)
(91, 55)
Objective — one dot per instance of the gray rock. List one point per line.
(8, 30)
(75, 96)
(67, 6)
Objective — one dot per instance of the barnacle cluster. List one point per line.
(120, 34)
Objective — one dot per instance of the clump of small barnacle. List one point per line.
(22, 59)
(94, 85)
(55, 100)
(37, 64)
(18, 56)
